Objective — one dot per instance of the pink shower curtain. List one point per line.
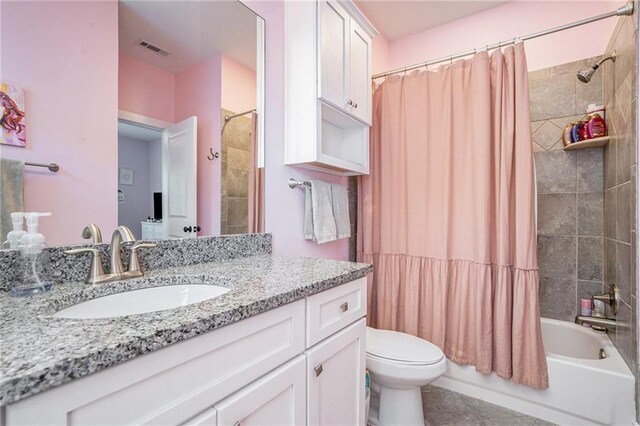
(447, 214)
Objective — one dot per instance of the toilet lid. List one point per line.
(401, 347)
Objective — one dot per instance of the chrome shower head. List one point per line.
(585, 74)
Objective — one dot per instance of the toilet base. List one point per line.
(398, 407)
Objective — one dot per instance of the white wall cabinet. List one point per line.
(253, 372)
(344, 55)
(328, 92)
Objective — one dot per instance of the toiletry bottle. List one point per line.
(583, 130)
(596, 127)
(14, 237)
(575, 132)
(566, 134)
(585, 310)
(596, 109)
(34, 260)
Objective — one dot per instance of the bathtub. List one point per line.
(583, 389)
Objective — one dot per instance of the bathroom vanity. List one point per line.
(285, 345)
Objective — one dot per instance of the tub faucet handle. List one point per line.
(610, 298)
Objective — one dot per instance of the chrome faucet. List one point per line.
(602, 324)
(92, 232)
(121, 235)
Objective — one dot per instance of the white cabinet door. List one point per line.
(333, 53)
(359, 73)
(335, 378)
(277, 399)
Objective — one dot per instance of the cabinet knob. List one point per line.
(349, 102)
(198, 229)
(187, 229)
(318, 369)
(344, 307)
(355, 105)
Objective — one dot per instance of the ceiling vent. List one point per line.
(152, 47)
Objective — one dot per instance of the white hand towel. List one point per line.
(340, 202)
(319, 223)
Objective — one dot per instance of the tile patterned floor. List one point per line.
(446, 408)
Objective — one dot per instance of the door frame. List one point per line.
(143, 120)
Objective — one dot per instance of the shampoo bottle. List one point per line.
(34, 260)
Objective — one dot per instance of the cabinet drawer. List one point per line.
(334, 309)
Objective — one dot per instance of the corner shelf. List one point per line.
(589, 143)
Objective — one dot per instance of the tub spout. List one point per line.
(608, 323)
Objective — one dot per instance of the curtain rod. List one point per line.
(228, 118)
(625, 10)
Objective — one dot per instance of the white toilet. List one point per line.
(399, 365)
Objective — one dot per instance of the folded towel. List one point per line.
(340, 202)
(319, 223)
(11, 172)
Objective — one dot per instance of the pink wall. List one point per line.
(503, 23)
(48, 48)
(285, 207)
(145, 89)
(198, 92)
(238, 86)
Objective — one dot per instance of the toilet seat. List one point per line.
(401, 348)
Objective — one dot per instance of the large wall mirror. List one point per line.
(153, 111)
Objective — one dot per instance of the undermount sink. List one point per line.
(142, 301)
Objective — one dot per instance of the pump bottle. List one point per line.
(14, 237)
(33, 259)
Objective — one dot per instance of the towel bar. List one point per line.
(293, 183)
(53, 167)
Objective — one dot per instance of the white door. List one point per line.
(277, 399)
(335, 378)
(359, 74)
(333, 53)
(179, 205)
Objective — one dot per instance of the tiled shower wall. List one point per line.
(236, 137)
(620, 172)
(570, 191)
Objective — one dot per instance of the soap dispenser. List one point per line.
(14, 237)
(34, 260)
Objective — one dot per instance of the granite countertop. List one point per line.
(39, 351)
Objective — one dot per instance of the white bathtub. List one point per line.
(583, 389)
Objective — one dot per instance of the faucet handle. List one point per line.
(610, 298)
(96, 271)
(134, 262)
